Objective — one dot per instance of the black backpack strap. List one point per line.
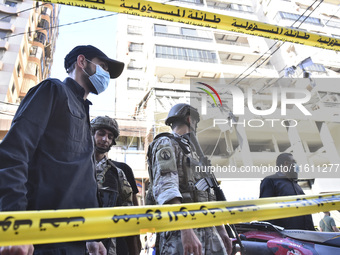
(109, 196)
(182, 142)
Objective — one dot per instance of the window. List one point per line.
(316, 68)
(187, 54)
(182, 33)
(230, 38)
(135, 65)
(192, 74)
(33, 51)
(160, 28)
(46, 11)
(44, 24)
(230, 6)
(136, 47)
(13, 88)
(40, 37)
(19, 70)
(296, 17)
(237, 57)
(189, 31)
(134, 83)
(134, 30)
(11, 3)
(333, 23)
(192, 1)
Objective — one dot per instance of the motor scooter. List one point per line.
(262, 238)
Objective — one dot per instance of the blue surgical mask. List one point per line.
(100, 79)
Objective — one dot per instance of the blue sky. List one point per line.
(100, 33)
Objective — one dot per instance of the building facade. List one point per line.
(28, 33)
(162, 58)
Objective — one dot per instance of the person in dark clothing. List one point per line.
(121, 243)
(284, 183)
(46, 158)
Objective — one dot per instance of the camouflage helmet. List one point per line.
(107, 123)
(180, 112)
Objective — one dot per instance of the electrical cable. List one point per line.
(302, 15)
(10, 15)
(63, 25)
(333, 15)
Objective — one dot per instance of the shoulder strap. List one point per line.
(183, 143)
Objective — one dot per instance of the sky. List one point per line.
(100, 33)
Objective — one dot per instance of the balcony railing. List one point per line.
(185, 37)
(186, 58)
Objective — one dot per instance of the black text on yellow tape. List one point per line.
(36, 227)
(207, 19)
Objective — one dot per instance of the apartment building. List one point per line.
(163, 57)
(28, 33)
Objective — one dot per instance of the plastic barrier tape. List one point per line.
(207, 19)
(33, 227)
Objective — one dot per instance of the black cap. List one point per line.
(89, 51)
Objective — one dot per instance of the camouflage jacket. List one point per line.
(174, 171)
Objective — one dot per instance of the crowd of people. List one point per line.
(55, 157)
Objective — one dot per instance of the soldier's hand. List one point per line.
(191, 244)
(17, 250)
(225, 238)
(96, 248)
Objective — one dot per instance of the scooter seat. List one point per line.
(329, 238)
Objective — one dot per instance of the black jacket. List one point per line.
(277, 185)
(46, 157)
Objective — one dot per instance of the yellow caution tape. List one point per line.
(207, 19)
(37, 227)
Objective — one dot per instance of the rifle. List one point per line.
(206, 183)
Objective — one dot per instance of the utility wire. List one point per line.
(275, 45)
(10, 15)
(333, 15)
(63, 25)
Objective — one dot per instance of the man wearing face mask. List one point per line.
(46, 158)
(284, 183)
(172, 159)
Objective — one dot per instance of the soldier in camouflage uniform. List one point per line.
(114, 188)
(172, 159)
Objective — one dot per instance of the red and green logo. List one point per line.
(209, 93)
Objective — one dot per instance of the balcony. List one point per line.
(7, 26)
(4, 45)
(183, 37)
